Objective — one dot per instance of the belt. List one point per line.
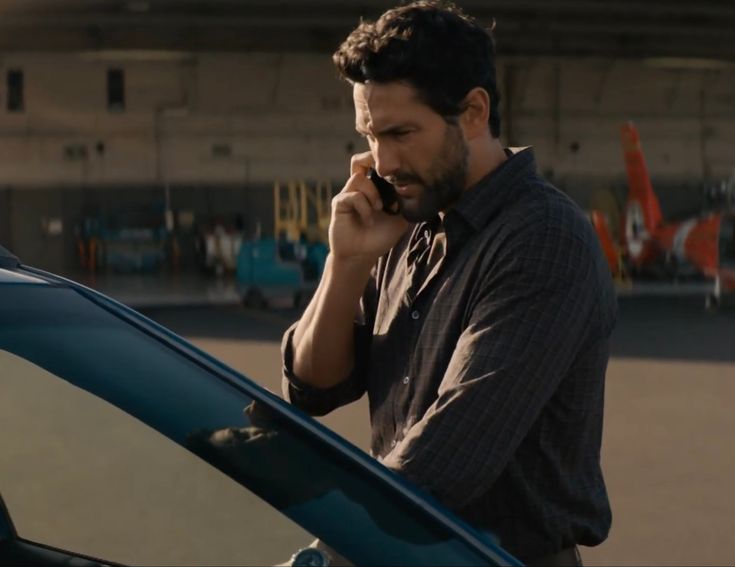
(568, 557)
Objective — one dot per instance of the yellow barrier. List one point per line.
(301, 209)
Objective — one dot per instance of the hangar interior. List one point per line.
(120, 110)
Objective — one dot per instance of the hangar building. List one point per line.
(117, 108)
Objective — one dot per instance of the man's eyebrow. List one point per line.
(388, 130)
(395, 129)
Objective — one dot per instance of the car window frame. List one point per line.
(29, 552)
(218, 370)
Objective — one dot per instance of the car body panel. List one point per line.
(371, 496)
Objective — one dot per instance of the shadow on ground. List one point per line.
(224, 322)
(673, 328)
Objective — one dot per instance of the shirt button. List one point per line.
(415, 315)
(406, 380)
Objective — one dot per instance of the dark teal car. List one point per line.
(122, 443)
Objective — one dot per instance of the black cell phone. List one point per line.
(387, 193)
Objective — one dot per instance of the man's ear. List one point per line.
(474, 118)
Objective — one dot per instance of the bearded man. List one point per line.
(478, 319)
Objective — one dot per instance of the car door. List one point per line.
(124, 443)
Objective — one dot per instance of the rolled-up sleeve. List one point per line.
(320, 401)
(538, 309)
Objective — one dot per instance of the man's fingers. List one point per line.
(359, 167)
(361, 184)
(360, 163)
(354, 202)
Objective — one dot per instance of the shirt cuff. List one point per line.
(314, 401)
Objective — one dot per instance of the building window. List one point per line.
(15, 90)
(115, 90)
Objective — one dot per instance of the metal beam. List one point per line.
(612, 28)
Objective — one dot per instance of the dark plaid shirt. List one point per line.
(485, 374)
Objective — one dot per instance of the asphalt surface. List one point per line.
(668, 451)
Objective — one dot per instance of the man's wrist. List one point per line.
(359, 266)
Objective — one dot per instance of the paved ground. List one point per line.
(668, 452)
(164, 289)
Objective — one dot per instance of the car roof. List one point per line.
(12, 277)
(8, 264)
(8, 259)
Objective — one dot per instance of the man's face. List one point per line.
(414, 148)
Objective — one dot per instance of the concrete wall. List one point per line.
(223, 126)
(281, 115)
(571, 111)
(286, 115)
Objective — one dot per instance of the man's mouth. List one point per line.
(405, 184)
(407, 190)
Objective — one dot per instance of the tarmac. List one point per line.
(187, 289)
(141, 291)
(667, 449)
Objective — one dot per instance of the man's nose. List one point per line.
(386, 160)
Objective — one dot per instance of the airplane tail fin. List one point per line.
(642, 210)
(612, 254)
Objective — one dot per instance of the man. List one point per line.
(478, 320)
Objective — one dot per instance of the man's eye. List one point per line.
(401, 133)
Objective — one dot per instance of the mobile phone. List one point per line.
(387, 192)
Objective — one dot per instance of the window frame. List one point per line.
(15, 90)
(346, 454)
(115, 90)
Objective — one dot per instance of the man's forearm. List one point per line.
(323, 341)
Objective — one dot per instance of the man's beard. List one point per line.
(444, 183)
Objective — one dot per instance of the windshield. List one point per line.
(72, 372)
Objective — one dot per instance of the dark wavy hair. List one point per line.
(433, 46)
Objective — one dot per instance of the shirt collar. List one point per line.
(421, 237)
(478, 204)
(483, 200)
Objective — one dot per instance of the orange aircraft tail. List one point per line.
(612, 254)
(642, 210)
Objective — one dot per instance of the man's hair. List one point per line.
(433, 46)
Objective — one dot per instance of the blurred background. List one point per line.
(181, 155)
(149, 124)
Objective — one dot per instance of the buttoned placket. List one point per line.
(427, 260)
(417, 261)
(435, 259)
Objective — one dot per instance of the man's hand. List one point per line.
(360, 230)
(270, 462)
